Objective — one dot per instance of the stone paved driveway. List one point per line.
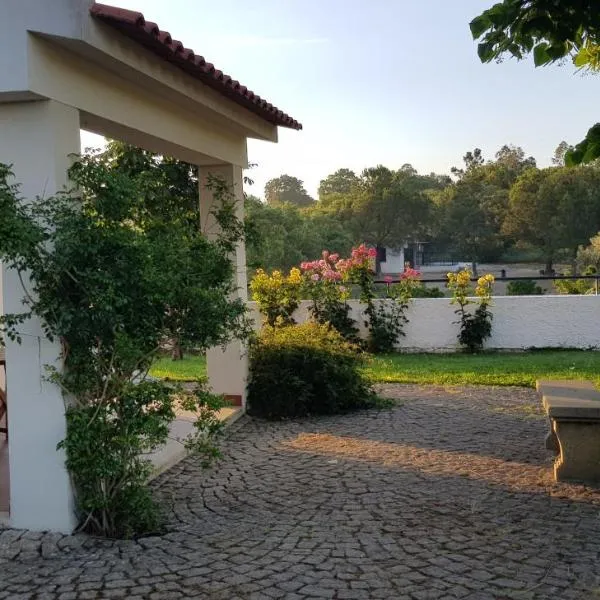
(449, 495)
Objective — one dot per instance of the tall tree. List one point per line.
(514, 158)
(470, 214)
(390, 208)
(558, 159)
(472, 160)
(285, 235)
(287, 189)
(554, 209)
(340, 182)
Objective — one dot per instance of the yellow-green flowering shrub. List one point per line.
(277, 295)
(475, 327)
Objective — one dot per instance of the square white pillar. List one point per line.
(37, 139)
(227, 368)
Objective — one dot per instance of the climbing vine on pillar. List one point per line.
(113, 270)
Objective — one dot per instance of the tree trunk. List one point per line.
(474, 268)
(549, 270)
(176, 351)
(574, 262)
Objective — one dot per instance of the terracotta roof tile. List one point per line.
(134, 25)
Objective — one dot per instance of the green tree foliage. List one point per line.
(385, 207)
(555, 208)
(168, 192)
(470, 217)
(588, 257)
(170, 186)
(285, 236)
(286, 189)
(559, 157)
(471, 212)
(587, 151)
(552, 30)
(341, 182)
(510, 161)
(113, 270)
(472, 160)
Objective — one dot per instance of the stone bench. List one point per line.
(574, 411)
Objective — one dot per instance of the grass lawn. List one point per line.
(444, 369)
(521, 368)
(188, 369)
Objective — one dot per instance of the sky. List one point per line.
(377, 82)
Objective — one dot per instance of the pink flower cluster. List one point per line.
(410, 273)
(361, 255)
(333, 268)
(324, 269)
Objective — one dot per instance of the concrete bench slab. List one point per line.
(574, 411)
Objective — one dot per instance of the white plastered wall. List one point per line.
(519, 322)
(37, 139)
(228, 366)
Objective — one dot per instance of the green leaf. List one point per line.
(541, 55)
(486, 52)
(582, 58)
(479, 25)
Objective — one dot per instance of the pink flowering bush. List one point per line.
(327, 284)
(411, 286)
(385, 318)
(324, 281)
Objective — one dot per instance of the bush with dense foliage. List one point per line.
(326, 286)
(306, 369)
(523, 287)
(97, 279)
(476, 326)
(575, 287)
(277, 295)
(385, 317)
(422, 291)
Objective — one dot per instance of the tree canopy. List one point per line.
(555, 208)
(550, 29)
(340, 182)
(287, 189)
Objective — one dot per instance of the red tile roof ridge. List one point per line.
(134, 25)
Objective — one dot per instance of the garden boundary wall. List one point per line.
(519, 323)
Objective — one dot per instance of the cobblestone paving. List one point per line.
(448, 495)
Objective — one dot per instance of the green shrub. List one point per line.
(107, 446)
(575, 286)
(303, 370)
(476, 326)
(386, 320)
(97, 280)
(524, 287)
(423, 291)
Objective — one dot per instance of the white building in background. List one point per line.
(393, 260)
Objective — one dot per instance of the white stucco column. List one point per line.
(37, 139)
(227, 368)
